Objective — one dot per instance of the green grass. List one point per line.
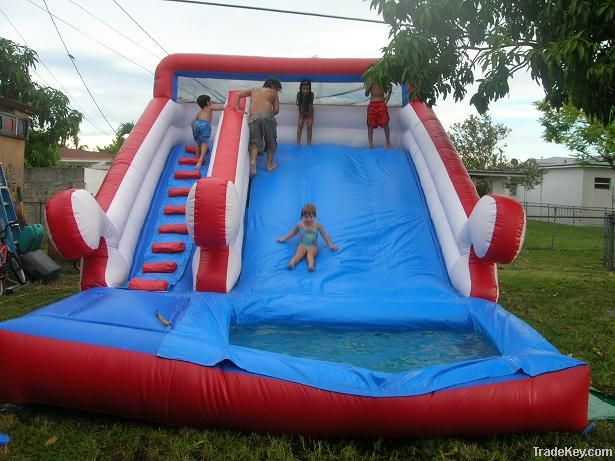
(565, 295)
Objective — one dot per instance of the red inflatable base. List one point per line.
(137, 385)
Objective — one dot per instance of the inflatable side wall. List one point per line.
(474, 234)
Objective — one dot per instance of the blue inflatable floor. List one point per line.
(387, 280)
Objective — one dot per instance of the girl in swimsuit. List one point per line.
(308, 230)
(305, 102)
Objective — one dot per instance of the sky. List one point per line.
(118, 65)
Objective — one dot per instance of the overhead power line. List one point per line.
(64, 90)
(274, 10)
(91, 38)
(139, 25)
(114, 29)
(72, 60)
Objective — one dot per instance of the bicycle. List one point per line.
(11, 272)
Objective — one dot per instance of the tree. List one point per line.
(589, 140)
(440, 47)
(479, 143)
(54, 122)
(121, 133)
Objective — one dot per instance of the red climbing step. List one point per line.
(148, 285)
(179, 191)
(188, 161)
(173, 229)
(175, 209)
(163, 268)
(195, 174)
(169, 247)
(190, 150)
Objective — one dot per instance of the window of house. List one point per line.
(602, 183)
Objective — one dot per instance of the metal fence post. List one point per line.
(553, 228)
(609, 241)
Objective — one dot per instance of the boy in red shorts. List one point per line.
(377, 112)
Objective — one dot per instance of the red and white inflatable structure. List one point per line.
(474, 235)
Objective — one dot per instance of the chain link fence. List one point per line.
(569, 228)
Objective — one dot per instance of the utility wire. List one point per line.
(139, 25)
(90, 37)
(115, 30)
(72, 60)
(272, 10)
(70, 96)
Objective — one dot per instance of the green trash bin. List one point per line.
(31, 238)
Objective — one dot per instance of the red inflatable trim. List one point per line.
(190, 149)
(63, 226)
(179, 191)
(173, 229)
(169, 247)
(174, 209)
(161, 267)
(94, 267)
(212, 270)
(148, 285)
(210, 213)
(507, 232)
(188, 161)
(134, 384)
(191, 63)
(188, 175)
(127, 153)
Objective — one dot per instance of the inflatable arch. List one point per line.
(177, 261)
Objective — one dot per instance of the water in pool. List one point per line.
(391, 351)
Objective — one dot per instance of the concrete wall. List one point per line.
(93, 178)
(40, 184)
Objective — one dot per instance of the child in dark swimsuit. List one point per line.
(305, 101)
(308, 230)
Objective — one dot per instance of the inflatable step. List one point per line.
(148, 285)
(195, 174)
(173, 229)
(190, 150)
(169, 247)
(179, 191)
(188, 160)
(167, 267)
(174, 209)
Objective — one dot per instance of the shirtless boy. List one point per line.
(264, 105)
(377, 112)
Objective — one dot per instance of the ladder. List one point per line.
(7, 213)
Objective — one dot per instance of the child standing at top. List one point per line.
(377, 112)
(308, 230)
(305, 101)
(201, 127)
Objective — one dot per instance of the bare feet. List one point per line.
(387, 145)
(371, 146)
(311, 268)
(198, 165)
(271, 166)
(290, 266)
(252, 168)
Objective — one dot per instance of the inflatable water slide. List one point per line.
(188, 315)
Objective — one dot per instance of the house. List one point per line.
(14, 126)
(569, 182)
(497, 178)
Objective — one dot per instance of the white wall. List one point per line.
(598, 197)
(93, 178)
(560, 186)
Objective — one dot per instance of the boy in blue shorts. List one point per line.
(201, 127)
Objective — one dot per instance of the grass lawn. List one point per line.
(565, 294)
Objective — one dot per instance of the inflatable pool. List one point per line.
(187, 313)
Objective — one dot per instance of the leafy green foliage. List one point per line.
(121, 133)
(589, 140)
(478, 142)
(54, 122)
(533, 175)
(440, 47)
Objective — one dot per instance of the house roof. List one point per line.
(569, 162)
(12, 104)
(495, 173)
(80, 155)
